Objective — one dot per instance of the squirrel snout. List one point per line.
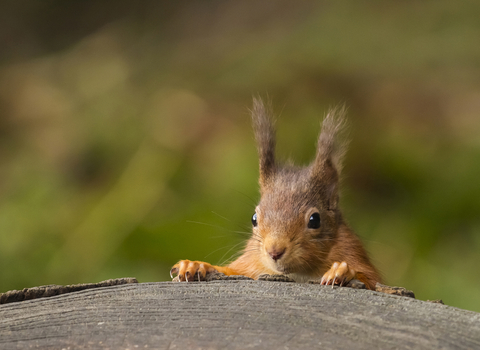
(275, 253)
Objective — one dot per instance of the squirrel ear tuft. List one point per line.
(327, 165)
(263, 125)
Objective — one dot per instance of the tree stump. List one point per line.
(234, 314)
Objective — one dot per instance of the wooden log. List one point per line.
(54, 289)
(235, 314)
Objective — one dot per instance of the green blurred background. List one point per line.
(125, 140)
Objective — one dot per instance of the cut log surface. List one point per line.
(234, 314)
(54, 289)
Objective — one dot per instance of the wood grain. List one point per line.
(235, 315)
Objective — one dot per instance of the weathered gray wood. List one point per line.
(235, 315)
(14, 296)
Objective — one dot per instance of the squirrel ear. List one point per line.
(328, 162)
(263, 125)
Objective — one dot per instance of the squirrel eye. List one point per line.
(254, 220)
(314, 221)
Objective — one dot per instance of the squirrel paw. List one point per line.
(190, 271)
(339, 274)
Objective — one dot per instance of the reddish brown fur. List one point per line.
(283, 241)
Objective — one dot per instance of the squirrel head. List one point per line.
(297, 216)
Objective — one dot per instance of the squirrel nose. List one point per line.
(276, 253)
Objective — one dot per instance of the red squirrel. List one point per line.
(298, 228)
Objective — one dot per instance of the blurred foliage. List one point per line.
(125, 142)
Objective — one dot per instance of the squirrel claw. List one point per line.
(339, 273)
(190, 270)
(173, 271)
